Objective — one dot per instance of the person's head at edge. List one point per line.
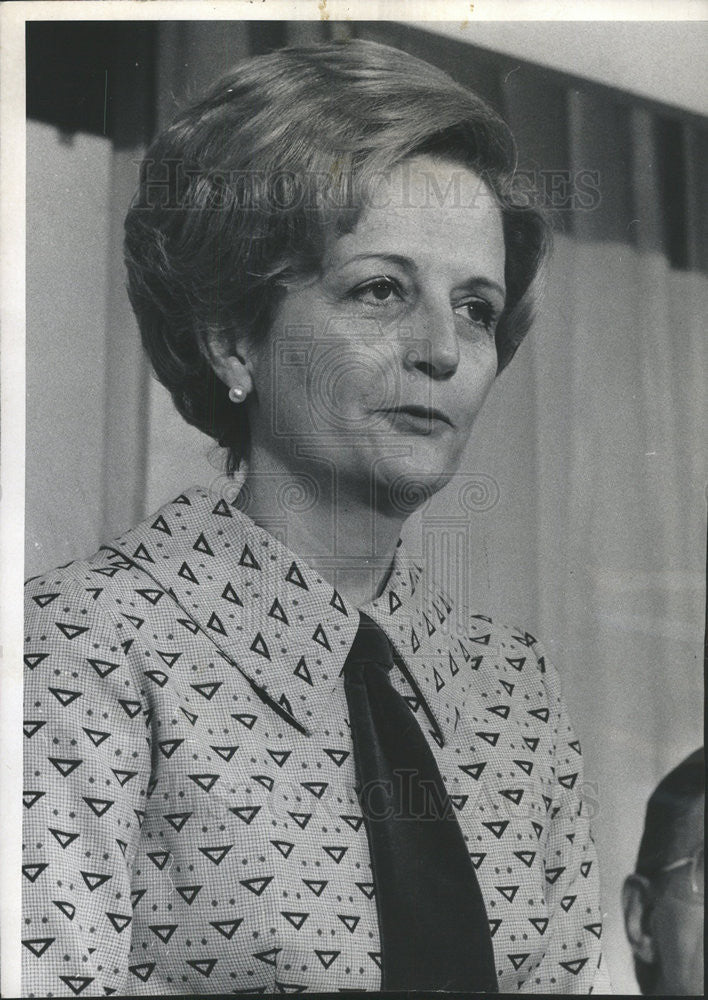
(663, 912)
(279, 161)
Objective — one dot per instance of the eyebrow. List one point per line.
(406, 262)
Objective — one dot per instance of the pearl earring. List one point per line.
(237, 394)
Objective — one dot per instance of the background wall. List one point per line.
(581, 509)
(68, 180)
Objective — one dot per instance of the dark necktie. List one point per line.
(432, 920)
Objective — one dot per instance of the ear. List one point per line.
(230, 359)
(637, 904)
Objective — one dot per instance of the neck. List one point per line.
(338, 531)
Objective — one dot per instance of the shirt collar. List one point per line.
(277, 620)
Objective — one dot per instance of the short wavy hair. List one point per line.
(238, 195)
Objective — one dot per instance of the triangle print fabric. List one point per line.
(191, 819)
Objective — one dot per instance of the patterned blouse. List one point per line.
(191, 821)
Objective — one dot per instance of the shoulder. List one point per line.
(74, 637)
(87, 602)
(82, 619)
(510, 646)
(87, 587)
(114, 571)
(506, 647)
(514, 654)
(127, 593)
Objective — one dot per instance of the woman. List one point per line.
(265, 753)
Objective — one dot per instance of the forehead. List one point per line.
(689, 830)
(435, 211)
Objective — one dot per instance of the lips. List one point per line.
(427, 413)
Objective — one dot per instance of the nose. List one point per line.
(434, 350)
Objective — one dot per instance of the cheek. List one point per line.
(679, 935)
(690, 955)
(345, 378)
(279, 371)
(477, 378)
(693, 936)
(307, 385)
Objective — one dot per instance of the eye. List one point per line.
(377, 291)
(478, 312)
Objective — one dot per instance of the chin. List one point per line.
(404, 484)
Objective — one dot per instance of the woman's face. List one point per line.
(374, 371)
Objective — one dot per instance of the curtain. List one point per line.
(580, 508)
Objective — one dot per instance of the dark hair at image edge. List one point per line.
(238, 195)
(667, 806)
